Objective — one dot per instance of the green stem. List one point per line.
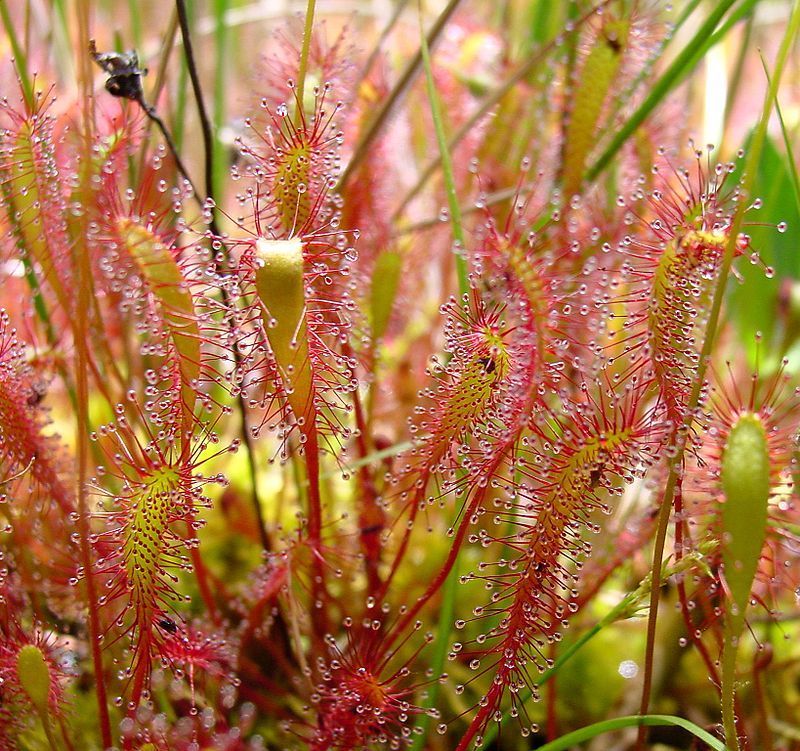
(135, 20)
(301, 72)
(728, 688)
(60, 41)
(787, 142)
(445, 617)
(675, 465)
(382, 115)
(48, 730)
(736, 76)
(62, 726)
(179, 112)
(658, 558)
(221, 85)
(19, 55)
(167, 44)
(447, 166)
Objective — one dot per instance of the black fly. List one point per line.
(168, 625)
(124, 74)
(489, 365)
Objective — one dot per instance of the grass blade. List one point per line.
(592, 731)
(447, 165)
(382, 115)
(19, 54)
(683, 63)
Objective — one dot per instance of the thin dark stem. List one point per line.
(205, 123)
(208, 148)
(246, 437)
(65, 735)
(173, 150)
(161, 76)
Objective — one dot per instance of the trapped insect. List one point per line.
(125, 75)
(363, 374)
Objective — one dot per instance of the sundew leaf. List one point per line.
(34, 676)
(281, 290)
(34, 209)
(595, 81)
(684, 62)
(160, 270)
(745, 482)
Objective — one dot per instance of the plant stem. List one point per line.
(205, 123)
(48, 729)
(220, 88)
(173, 149)
(787, 142)
(382, 115)
(311, 453)
(447, 164)
(303, 68)
(65, 735)
(446, 615)
(208, 148)
(80, 313)
(728, 688)
(19, 55)
(161, 73)
(736, 76)
(676, 462)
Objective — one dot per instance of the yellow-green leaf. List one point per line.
(385, 279)
(281, 290)
(746, 485)
(34, 675)
(161, 272)
(591, 90)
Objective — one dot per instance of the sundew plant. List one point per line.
(399, 375)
